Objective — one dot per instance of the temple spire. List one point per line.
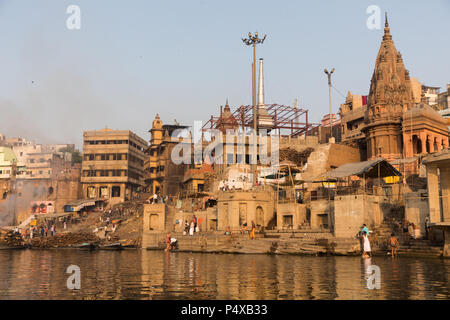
(387, 30)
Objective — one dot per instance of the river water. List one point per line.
(141, 274)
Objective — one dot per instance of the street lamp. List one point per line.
(253, 40)
(329, 73)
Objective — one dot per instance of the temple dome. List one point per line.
(422, 110)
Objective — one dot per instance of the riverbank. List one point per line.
(119, 227)
(306, 245)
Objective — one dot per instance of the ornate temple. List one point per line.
(395, 126)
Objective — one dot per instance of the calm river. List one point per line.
(140, 274)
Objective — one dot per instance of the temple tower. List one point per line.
(389, 97)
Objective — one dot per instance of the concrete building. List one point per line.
(113, 164)
(438, 182)
(8, 162)
(443, 100)
(352, 120)
(431, 95)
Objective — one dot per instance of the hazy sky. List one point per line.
(182, 59)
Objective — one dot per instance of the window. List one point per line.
(230, 158)
(115, 192)
(91, 192)
(103, 192)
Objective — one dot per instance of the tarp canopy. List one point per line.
(377, 168)
(79, 204)
(54, 215)
(276, 176)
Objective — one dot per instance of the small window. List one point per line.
(115, 192)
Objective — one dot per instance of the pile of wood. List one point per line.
(68, 239)
(298, 157)
(9, 238)
(130, 243)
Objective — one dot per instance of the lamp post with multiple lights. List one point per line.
(253, 40)
(329, 73)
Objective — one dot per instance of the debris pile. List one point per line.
(10, 238)
(68, 239)
(298, 157)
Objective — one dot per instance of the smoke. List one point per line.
(16, 206)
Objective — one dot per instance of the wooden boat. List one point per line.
(111, 246)
(7, 247)
(86, 246)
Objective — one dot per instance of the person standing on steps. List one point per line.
(252, 233)
(393, 244)
(367, 252)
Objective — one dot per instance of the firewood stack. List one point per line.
(298, 157)
(9, 238)
(64, 240)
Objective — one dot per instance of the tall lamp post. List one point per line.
(253, 40)
(329, 73)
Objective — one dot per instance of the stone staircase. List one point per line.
(420, 248)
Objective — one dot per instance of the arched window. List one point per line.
(417, 144)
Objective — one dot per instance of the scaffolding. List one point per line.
(284, 118)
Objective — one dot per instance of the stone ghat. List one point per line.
(240, 244)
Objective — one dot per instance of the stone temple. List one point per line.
(395, 126)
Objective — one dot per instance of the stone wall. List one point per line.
(297, 212)
(416, 209)
(237, 207)
(320, 213)
(352, 211)
(207, 219)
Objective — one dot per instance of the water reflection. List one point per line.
(136, 274)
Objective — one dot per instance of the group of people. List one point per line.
(171, 243)
(158, 198)
(412, 230)
(190, 228)
(252, 230)
(33, 231)
(393, 243)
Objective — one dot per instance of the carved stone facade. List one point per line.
(391, 102)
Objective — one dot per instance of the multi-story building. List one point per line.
(443, 100)
(113, 164)
(8, 163)
(352, 119)
(431, 95)
(163, 176)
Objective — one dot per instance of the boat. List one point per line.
(111, 246)
(9, 247)
(86, 246)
